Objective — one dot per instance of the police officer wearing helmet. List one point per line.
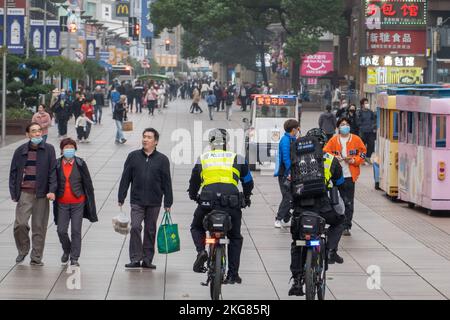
(333, 214)
(218, 173)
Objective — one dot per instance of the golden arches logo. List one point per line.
(122, 9)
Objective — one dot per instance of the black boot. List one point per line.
(296, 289)
(333, 257)
(199, 264)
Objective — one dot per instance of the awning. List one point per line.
(105, 65)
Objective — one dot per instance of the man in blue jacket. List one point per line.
(283, 172)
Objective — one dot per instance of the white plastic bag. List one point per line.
(340, 207)
(121, 223)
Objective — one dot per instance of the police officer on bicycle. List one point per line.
(323, 205)
(218, 173)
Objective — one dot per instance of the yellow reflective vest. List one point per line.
(217, 167)
(328, 160)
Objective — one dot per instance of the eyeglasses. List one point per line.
(35, 130)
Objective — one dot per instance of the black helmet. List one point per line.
(319, 134)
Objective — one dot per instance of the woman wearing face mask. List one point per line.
(349, 149)
(44, 120)
(353, 118)
(74, 200)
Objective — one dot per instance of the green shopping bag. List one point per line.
(168, 238)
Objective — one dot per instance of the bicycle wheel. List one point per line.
(216, 278)
(322, 274)
(310, 275)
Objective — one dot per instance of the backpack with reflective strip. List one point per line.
(307, 168)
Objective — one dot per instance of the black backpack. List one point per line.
(307, 169)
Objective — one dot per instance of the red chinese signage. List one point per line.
(274, 101)
(316, 65)
(13, 3)
(399, 42)
(396, 12)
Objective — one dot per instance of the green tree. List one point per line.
(66, 68)
(237, 31)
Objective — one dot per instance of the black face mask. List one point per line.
(352, 111)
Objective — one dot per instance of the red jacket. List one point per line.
(355, 150)
(88, 110)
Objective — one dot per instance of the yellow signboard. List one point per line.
(122, 9)
(112, 55)
(394, 75)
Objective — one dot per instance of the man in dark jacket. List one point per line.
(99, 98)
(148, 171)
(32, 182)
(327, 122)
(74, 200)
(76, 105)
(138, 93)
(367, 126)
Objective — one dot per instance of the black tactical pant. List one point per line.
(236, 239)
(298, 254)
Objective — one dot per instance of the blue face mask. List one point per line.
(344, 129)
(36, 140)
(69, 153)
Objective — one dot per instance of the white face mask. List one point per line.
(366, 105)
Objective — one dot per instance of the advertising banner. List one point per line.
(121, 10)
(53, 43)
(316, 65)
(396, 13)
(147, 26)
(15, 31)
(37, 35)
(90, 49)
(400, 42)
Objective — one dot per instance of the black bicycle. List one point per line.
(312, 238)
(217, 223)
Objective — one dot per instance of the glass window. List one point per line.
(422, 129)
(441, 131)
(430, 130)
(268, 111)
(409, 124)
(91, 9)
(395, 131)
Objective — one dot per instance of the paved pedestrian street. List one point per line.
(408, 251)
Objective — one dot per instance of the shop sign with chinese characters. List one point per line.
(392, 61)
(400, 42)
(397, 12)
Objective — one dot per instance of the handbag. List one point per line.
(168, 238)
(127, 126)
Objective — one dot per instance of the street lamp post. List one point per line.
(5, 49)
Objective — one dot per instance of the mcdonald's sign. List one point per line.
(122, 9)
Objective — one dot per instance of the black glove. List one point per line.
(247, 201)
(193, 197)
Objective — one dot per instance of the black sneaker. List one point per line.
(333, 257)
(133, 265)
(148, 265)
(199, 264)
(296, 289)
(346, 233)
(74, 263)
(65, 258)
(20, 258)
(232, 279)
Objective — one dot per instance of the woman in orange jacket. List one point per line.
(351, 152)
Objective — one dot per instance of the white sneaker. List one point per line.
(285, 224)
(277, 224)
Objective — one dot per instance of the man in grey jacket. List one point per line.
(327, 122)
(367, 126)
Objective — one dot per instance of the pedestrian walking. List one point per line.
(81, 125)
(327, 122)
(138, 94)
(44, 120)
(88, 109)
(195, 102)
(118, 117)
(151, 98)
(351, 153)
(148, 172)
(353, 118)
(212, 103)
(63, 113)
(75, 200)
(115, 97)
(283, 172)
(76, 105)
(367, 127)
(229, 98)
(99, 98)
(32, 183)
(243, 97)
